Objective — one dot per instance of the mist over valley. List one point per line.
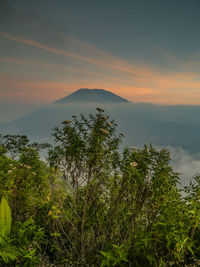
(174, 127)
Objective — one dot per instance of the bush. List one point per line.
(91, 205)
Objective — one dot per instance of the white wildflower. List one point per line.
(100, 109)
(67, 122)
(104, 131)
(134, 148)
(28, 167)
(133, 164)
(104, 117)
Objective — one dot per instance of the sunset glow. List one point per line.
(39, 68)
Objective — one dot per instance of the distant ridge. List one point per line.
(86, 95)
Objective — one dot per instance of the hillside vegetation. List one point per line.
(88, 204)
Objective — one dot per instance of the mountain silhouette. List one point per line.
(86, 95)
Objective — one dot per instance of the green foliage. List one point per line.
(28, 237)
(22, 246)
(15, 144)
(115, 257)
(87, 147)
(91, 205)
(5, 218)
(8, 252)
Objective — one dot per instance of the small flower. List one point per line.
(108, 124)
(104, 117)
(66, 122)
(104, 131)
(134, 148)
(28, 167)
(50, 213)
(11, 165)
(133, 164)
(100, 109)
(10, 171)
(34, 173)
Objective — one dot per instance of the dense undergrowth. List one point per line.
(89, 205)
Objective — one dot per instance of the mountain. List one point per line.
(85, 95)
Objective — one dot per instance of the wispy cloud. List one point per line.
(118, 64)
(102, 69)
(112, 77)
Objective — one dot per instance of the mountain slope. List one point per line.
(92, 95)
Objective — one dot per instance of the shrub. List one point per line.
(92, 205)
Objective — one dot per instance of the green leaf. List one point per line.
(5, 218)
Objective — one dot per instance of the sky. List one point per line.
(144, 51)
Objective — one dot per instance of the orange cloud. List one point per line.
(59, 67)
(49, 91)
(33, 63)
(109, 72)
(119, 65)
